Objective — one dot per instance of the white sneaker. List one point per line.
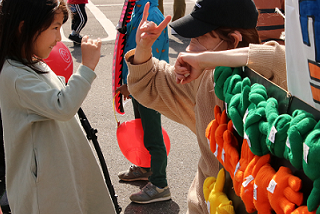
(173, 32)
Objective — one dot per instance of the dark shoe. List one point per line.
(5, 208)
(4, 204)
(135, 173)
(76, 44)
(151, 193)
(75, 38)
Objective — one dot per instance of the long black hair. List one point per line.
(36, 16)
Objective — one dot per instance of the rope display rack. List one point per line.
(287, 104)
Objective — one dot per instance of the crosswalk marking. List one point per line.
(107, 25)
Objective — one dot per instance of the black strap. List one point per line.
(91, 135)
(270, 11)
(270, 27)
(271, 39)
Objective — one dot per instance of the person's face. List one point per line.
(47, 39)
(207, 42)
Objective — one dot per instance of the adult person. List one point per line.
(150, 119)
(191, 104)
(153, 82)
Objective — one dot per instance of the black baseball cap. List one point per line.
(208, 15)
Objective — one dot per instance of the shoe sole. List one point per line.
(76, 44)
(153, 200)
(134, 179)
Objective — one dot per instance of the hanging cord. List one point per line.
(114, 111)
(279, 12)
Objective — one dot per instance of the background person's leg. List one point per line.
(179, 9)
(160, 6)
(79, 20)
(153, 141)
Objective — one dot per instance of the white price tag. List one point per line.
(288, 143)
(216, 152)
(255, 187)
(247, 180)
(234, 127)
(208, 205)
(236, 169)
(305, 152)
(272, 134)
(272, 185)
(222, 155)
(226, 105)
(245, 116)
(247, 138)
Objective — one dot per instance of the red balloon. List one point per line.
(130, 140)
(60, 61)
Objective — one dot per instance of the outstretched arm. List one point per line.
(189, 66)
(147, 33)
(267, 59)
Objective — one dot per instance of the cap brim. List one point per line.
(189, 27)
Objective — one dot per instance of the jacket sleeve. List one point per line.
(153, 85)
(269, 61)
(54, 100)
(160, 48)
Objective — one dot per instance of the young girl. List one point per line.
(50, 165)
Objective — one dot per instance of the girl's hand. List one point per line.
(90, 52)
(124, 91)
(187, 67)
(146, 35)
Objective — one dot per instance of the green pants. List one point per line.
(179, 8)
(153, 141)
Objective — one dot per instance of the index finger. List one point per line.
(145, 12)
(164, 23)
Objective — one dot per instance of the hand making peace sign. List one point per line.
(147, 33)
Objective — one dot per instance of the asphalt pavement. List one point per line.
(103, 16)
